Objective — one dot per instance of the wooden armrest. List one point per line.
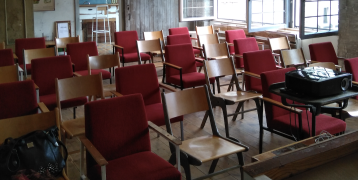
(192, 38)
(172, 65)
(76, 74)
(311, 62)
(14, 55)
(170, 88)
(36, 87)
(355, 82)
(43, 107)
(164, 134)
(340, 57)
(275, 54)
(199, 59)
(196, 47)
(252, 74)
(338, 66)
(97, 156)
(276, 103)
(117, 46)
(117, 94)
(238, 55)
(230, 44)
(260, 43)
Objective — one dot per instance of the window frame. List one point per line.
(181, 15)
(314, 35)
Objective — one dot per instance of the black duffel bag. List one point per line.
(38, 150)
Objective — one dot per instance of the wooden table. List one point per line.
(334, 158)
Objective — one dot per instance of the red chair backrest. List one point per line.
(181, 55)
(6, 57)
(46, 70)
(27, 43)
(117, 127)
(17, 99)
(323, 52)
(257, 62)
(139, 79)
(179, 30)
(178, 39)
(242, 46)
(126, 39)
(78, 53)
(231, 35)
(268, 78)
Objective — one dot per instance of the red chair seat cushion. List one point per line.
(133, 57)
(156, 115)
(6, 57)
(323, 122)
(105, 74)
(198, 64)
(189, 79)
(50, 101)
(28, 68)
(141, 166)
(196, 51)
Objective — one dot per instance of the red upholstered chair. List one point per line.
(6, 57)
(255, 63)
(126, 45)
(129, 80)
(18, 99)
(231, 35)
(180, 68)
(27, 43)
(242, 46)
(324, 52)
(178, 30)
(79, 52)
(117, 137)
(285, 120)
(44, 73)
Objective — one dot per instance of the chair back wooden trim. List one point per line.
(102, 61)
(9, 74)
(208, 39)
(149, 45)
(328, 65)
(2, 45)
(293, 57)
(153, 35)
(31, 54)
(279, 43)
(219, 67)
(75, 87)
(200, 30)
(216, 51)
(62, 42)
(19, 126)
(186, 102)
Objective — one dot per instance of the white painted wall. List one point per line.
(44, 21)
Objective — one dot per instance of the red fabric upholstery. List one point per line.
(118, 128)
(6, 57)
(78, 53)
(45, 71)
(128, 40)
(17, 99)
(351, 66)
(231, 35)
(279, 119)
(182, 55)
(181, 39)
(323, 52)
(143, 79)
(178, 30)
(27, 43)
(257, 62)
(105, 74)
(242, 46)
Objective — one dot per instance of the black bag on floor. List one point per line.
(38, 150)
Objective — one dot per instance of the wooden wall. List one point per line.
(16, 21)
(151, 15)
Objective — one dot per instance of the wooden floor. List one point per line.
(246, 130)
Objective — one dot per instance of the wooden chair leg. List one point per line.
(218, 83)
(74, 112)
(213, 166)
(200, 68)
(241, 104)
(241, 162)
(204, 120)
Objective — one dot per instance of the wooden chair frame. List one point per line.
(293, 57)
(10, 127)
(2, 45)
(200, 30)
(329, 65)
(187, 102)
(154, 35)
(152, 47)
(225, 67)
(62, 42)
(9, 73)
(277, 44)
(31, 54)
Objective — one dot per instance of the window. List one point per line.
(232, 10)
(267, 14)
(192, 10)
(319, 18)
